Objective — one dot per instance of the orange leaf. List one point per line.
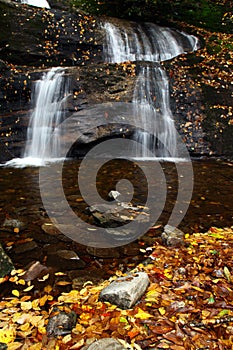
(132, 334)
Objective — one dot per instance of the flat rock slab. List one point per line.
(105, 344)
(126, 291)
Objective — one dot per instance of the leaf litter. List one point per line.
(188, 304)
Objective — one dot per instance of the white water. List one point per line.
(149, 42)
(43, 134)
(151, 94)
(36, 3)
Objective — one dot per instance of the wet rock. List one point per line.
(50, 229)
(126, 291)
(79, 277)
(25, 247)
(131, 249)
(3, 66)
(44, 238)
(65, 259)
(6, 265)
(110, 216)
(172, 236)
(11, 225)
(62, 323)
(104, 252)
(106, 344)
(34, 271)
(114, 195)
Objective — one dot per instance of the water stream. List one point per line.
(150, 43)
(43, 135)
(36, 3)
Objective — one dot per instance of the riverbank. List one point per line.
(187, 305)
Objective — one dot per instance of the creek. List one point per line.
(210, 205)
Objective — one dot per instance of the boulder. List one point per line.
(126, 291)
(61, 323)
(172, 236)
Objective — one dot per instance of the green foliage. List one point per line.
(135, 9)
(209, 14)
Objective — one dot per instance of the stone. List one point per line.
(106, 344)
(12, 224)
(62, 323)
(104, 252)
(114, 194)
(34, 271)
(65, 259)
(50, 229)
(6, 265)
(172, 236)
(126, 291)
(25, 247)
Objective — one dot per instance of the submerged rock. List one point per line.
(65, 259)
(126, 291)
(25, 247)
(13, 225)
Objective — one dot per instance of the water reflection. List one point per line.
(211, 203)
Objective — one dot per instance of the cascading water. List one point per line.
(151, 102)
(43, 134)
(43, 137)
(149, 42)
(36, 3)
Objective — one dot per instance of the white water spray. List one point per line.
(149, 42)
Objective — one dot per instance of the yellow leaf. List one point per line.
(78, 344)
(42, 330)
(35, 304)
(63, 283)
(7, 335)
(48, 288)
(37, 346)
(21, 281)
(205, 313)
(14, 346)
(37, 321)
(15, 292)
(162, 311)
(25, 327)
(43, 300)
(26, 305)
(28, 288)
(227, 273)
(142, 314)
(3, 279)
(66, 339)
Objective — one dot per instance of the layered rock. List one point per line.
(33, 39)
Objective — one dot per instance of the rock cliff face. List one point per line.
(33, 39)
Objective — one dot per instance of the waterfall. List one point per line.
(149, 43)
(36, 3)
(43, 137)
(151, 93)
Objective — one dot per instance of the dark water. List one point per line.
(211, 205)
